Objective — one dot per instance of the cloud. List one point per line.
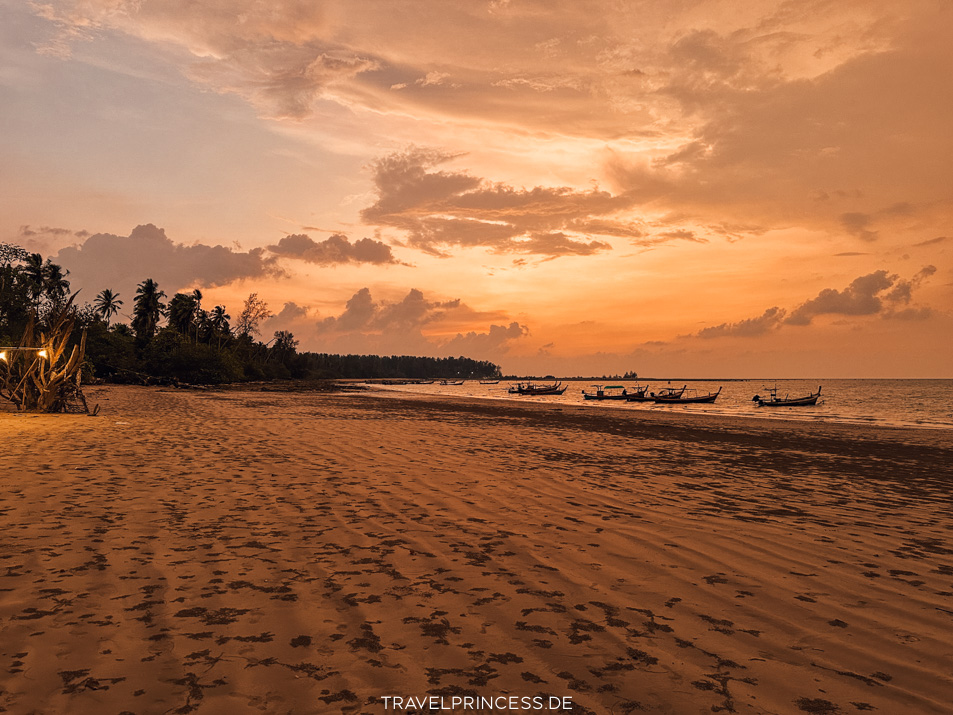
(120, 263)
(289, 317)
(441, 209)
(285, 81)
(843, 140)
(28, 231)
(336, 249)
(932, 241)
(878, 293)
(857, 224)
(493, 342)
(363, 313)
(412, 325)
(902, 293)
(875, 293)
(751, 327)
(683, 234)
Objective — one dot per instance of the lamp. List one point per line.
(5, 352)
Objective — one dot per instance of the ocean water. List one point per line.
(893, 403)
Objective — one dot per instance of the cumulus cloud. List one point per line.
(336, 249)
(105, 260)
(879, 292)
(411, 325)
(363, 313)
(750, 327)
(861, 297)
(443, 209)
(290, 317)
(488, 343)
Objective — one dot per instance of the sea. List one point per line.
(926, 404)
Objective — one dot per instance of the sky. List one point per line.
(586, 187)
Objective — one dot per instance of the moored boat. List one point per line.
(489, 382)
(668, 392)
(602, 394)
(682, 399)
(638, 394)
(451, 382)
(774, 401)
(533, 388)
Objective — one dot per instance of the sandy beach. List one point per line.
(232, 552)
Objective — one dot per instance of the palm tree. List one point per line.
(182, 312)
(45, 280)
(148, 308)
(218, 319)
(107, 305)
(197, 315)
(55, 285)
(33, 273)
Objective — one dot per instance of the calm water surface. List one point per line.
(897, 403)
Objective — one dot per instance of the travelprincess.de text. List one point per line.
(474, 702)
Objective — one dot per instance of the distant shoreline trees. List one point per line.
(179, 341)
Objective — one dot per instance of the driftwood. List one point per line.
(39, 375)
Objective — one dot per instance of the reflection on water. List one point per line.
(900, 403)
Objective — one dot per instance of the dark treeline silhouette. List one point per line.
(178, 340)
(397, 366)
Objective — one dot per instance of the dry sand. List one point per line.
(300, 553)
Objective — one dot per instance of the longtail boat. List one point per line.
(668, 392)
(774, 401)
(639, 394)
(601, 394)
(532, 388)
(451, 382)
(682, 400)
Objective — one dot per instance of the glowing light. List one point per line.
(3, 356)
(42, 353)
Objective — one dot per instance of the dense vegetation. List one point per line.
(178, 340)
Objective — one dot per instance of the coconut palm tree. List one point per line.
(45, 280)
(218, 319)
(107, 305)
(33, 274)
(147, 309)
(55, 285)
(182, 312)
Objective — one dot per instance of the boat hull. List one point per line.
(799, 402)
(556, 389)
(773, 401)
(680, 399)
(708, 399)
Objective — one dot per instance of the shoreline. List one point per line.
(204, 551)
(674, 415)
(803, 415)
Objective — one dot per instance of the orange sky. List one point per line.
(701, 188)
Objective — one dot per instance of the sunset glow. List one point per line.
(576, 188)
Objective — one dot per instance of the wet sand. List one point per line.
(230, 552)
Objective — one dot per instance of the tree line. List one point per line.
(178, 339)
